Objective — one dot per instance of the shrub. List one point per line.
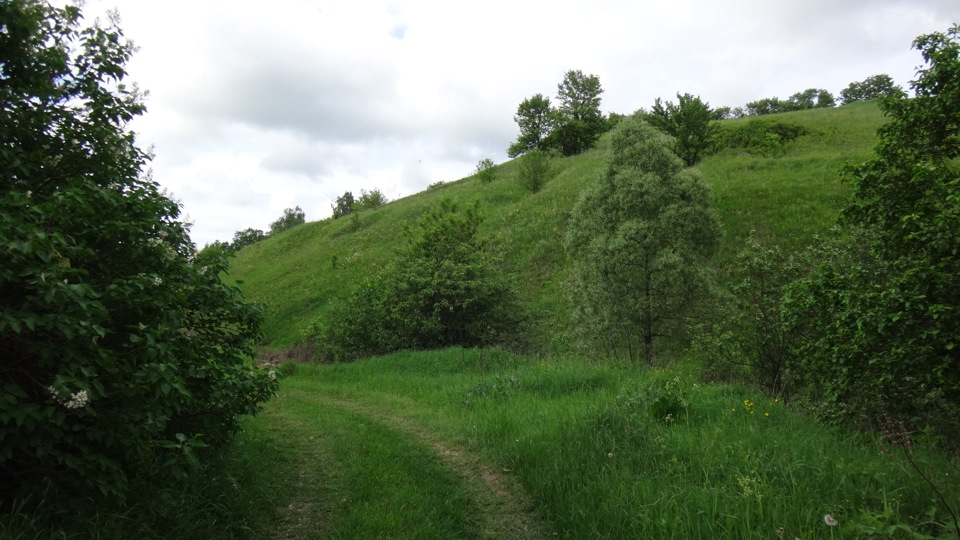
(760, 137)
(442, 290)
(120, 348)
(534, 170)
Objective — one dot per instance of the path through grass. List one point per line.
(452, 444)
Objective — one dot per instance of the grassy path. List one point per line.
(505, 510)
(351, 469)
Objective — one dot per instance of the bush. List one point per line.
(442, 290)
(534, 170)
(759, 137)
(120, 349)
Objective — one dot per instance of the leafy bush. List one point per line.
(369, 200)
(751, 341)
(881, 315)
(759, 137)
(534, 170)
(120, 350)
(442, 290)
(486, 171)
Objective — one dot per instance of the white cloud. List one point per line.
(255, 107)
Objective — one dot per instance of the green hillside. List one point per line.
(785, 199)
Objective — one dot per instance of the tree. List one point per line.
(291, 218)
(442, 290)
(881, 314)
(811, 98)
(579, 122)
(536, 121)
(689, 122)
(639, 238)
(344, 205)
(874, 87)
(119, 345)
(246, 237)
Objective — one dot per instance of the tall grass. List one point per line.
(582, 440)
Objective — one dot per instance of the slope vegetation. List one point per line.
(784, 200)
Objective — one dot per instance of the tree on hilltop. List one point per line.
(874, 87)
(570, 128)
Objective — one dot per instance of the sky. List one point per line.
(258, 106)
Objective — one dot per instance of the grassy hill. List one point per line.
(786, 200)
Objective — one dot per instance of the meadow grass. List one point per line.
(581, 440)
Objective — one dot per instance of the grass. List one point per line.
(785, 200)
(486, 444)
(581, 443)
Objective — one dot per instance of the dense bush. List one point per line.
(761, 137)
(120, 351)
(443, 289)
(881, 315)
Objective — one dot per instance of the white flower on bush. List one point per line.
(77, 400)
(272, 374)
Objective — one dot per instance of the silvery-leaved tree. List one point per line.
(121, 351)
(639, 238)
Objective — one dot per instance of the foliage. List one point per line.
(874, 87)
(752, 338)
(246, 237)
(291, 218)
(689, 122)
(579, 121)
(369, 200)
(811, 98)
(121, 350)
(343, 206)
(534, 170)
(639, 238)
(536, 121)
(443, 289)
(571, 128)
(761, 137)
(882, 312)
(486, 171)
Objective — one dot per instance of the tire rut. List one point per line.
(506, 509)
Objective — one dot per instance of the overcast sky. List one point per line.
(258, 106)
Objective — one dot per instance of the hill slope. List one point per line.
(786, 200)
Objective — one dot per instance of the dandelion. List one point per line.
(766, 414)
(610, 455)
(829, 520)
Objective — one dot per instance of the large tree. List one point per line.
(579, 121)
(118, 344)
(639, 238)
